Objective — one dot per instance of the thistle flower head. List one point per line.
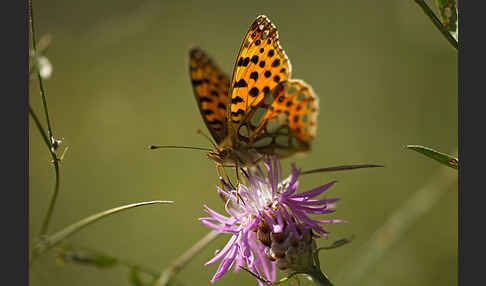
(269, 222)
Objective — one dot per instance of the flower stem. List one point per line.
(180, 262)
(41, 85)
(48, 139)
(319, 278)
(437, 23)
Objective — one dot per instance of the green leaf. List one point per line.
(448, 15)
(337, 243)
(135, 277)
(88, 258)
(443, 158)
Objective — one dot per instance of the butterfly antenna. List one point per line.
(153, 147)
(199, 131)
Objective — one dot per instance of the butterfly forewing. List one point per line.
(260, 66)
(211, 87)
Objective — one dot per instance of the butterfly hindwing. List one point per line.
(260, 66)
(211, 87)
(290, 121)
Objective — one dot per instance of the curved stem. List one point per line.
(318, 277)
(180, 262)
(56, 238)
(437, 23)
(55, 161)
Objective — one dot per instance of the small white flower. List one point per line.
(44, 66)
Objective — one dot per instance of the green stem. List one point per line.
(53, 240)
(49, 137)
(176, 266)
(50, 210)
(55, 161)
(437, 23)
(41, 84)
(40, 128)
(318, 277)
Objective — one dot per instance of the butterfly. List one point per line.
(261, 110)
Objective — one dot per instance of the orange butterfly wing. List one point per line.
(260, 66)
(211, 88)
(290, 121)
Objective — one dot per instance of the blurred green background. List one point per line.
(385, 77)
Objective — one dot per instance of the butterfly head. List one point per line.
(230, 156)
(222, 155)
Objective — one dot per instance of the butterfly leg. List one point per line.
(218, 170)
(237, 169)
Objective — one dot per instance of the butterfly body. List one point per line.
(261, 111)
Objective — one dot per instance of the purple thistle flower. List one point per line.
(269, 223)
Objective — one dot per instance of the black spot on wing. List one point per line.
(221, 106)
(276, 63)
(241, 83)
(266, 90)
(196, 82)
(254, 59)
(246, 61)
(205, 99)
(254, 92)
(236, 99)
(215, 122)
(238, 112)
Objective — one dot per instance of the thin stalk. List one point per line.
(180, 262)
(41, 84)
(50, 210)
(47, 138)
(437, 23)
(40, 128)
(55, 161)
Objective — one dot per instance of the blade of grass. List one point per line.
(440, 157)
(437, 23)
(340, 168)
(50, 241)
